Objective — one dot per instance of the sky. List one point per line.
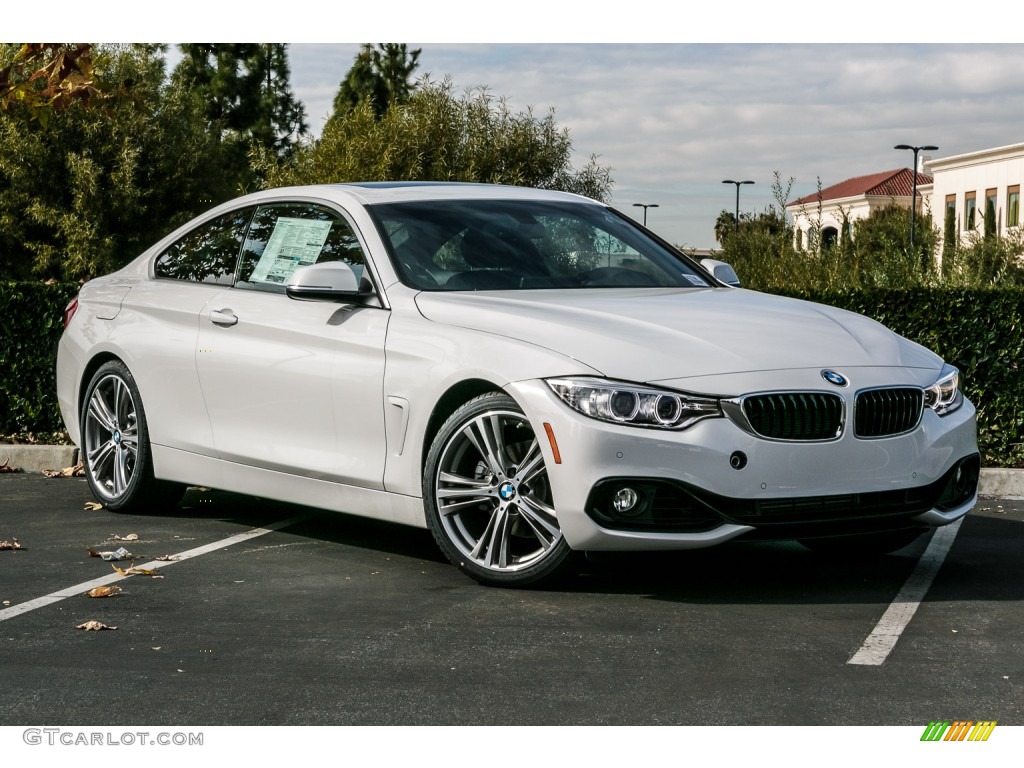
(673, 121)
(673, 103)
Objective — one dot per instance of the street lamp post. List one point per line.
(645, 206)
(738, 185)
(913, 199)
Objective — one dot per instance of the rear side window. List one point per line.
(207, 254)
(286, 236)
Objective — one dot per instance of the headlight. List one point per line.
(623, 403)
(944, 396)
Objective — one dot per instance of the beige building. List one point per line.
(835, 208)
(959, 192)
(974, 186)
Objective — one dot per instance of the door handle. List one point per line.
(223, 317)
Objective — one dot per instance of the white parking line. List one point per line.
(879, 644)
(85, 586)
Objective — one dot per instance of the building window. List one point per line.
(970, 202)
(799, 239)
(1013, 205)
(949, 224)
(990, 213)
(829, 237)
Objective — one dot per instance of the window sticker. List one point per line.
(696, 280)
(294, 243)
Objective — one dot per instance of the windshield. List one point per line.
(468, 245)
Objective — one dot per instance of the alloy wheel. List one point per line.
(493, 496)
(111, 437)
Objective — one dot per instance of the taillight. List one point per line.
(69, 311)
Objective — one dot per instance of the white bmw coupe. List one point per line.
(523, 372)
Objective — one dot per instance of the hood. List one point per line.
(652, 334)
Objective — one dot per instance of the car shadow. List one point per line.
(982, 564)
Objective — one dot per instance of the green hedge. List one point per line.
(32, 319)
(978, 330)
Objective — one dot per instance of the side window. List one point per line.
(207, 254)
(286, 236)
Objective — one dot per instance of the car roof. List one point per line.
(376, 192)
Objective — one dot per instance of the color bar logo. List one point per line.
(958, 730)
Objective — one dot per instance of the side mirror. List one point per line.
(721, 271)
(330, 280)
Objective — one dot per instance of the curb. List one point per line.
(1001, 483)
(36, 458)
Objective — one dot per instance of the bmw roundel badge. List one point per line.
(834, 378)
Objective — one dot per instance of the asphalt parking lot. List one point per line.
(336, 620)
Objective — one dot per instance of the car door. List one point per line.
(295, 386)
(159, 322)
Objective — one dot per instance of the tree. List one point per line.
(439, 136)
(990, 217)
(725, 225)
(46, 78)
(89, 190)
(379, 76)
(246, 91)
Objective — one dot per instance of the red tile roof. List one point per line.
(897, 183)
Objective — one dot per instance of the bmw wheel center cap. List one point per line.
(507, 492)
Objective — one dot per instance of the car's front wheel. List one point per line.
(115, 444)
(488, 497)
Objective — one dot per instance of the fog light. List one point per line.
(624, 500)
(961, 480)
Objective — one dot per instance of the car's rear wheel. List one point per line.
(488, 497)
(864, 545)
(115, 444)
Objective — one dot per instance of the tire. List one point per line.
(487, 496)
(864, 545)
(115, 445)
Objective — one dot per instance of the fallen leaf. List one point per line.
(165, 558)
(158, 576)
(94, 626)
(1006, 677)
(6, 603)
(13, 544)
(181, 670)
(92, 505)
(76, 471)
(157, 648)
(133, 571)
(107, 591)
(129, 537)
(6, 466)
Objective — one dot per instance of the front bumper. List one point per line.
(782, 489)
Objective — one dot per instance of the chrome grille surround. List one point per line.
(796, 416)
(887, 411)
